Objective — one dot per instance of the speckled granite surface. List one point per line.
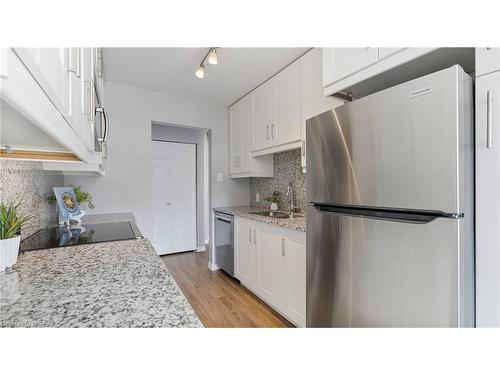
(296, 223)
(27, 181)
(114, 284)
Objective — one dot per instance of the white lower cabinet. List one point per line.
(244, 240)
(271, 262)
(294, 301)
(269, 270)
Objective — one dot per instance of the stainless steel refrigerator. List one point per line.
(390, 207)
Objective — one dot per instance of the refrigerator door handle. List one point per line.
(390, 214)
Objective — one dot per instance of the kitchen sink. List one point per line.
(275, 215)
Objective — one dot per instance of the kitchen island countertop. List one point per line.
(108, 284)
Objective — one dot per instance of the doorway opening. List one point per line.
(180, 188)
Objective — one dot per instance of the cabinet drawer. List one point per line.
(487, 60)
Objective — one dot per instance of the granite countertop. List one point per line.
(108, 284)
(296, 223)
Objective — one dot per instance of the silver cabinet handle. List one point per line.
(489, 119)
(272, 130)
(250, 235)
(104, 137)
(267, 132)
(283, 247)
(254, 236)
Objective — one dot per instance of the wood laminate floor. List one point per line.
(218, 299)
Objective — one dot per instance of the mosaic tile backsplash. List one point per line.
(27, 181)
(287, 169)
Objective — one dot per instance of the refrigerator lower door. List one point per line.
(364, 272)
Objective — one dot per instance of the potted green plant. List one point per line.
(83, 197)
(274, 199)
(11, 222)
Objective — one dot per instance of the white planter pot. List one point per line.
(9, 249)
(274, 206)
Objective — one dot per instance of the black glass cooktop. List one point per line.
(57, 236)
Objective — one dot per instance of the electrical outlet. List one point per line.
(257, 197)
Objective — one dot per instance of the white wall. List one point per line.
(127, 184)
(165, 132)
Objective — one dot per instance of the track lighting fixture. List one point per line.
(210, 58)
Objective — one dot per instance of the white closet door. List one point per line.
(174, 197)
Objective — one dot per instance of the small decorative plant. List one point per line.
(274, 199)
(11, 222)
(82, 197)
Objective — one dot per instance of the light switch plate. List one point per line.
(219, 176)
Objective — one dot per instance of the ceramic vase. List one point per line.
(9, 249)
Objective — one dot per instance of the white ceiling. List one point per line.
(239, 70)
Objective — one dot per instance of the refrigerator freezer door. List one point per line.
(408, 146)
(373, 273)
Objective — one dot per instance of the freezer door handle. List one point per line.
(390, 214)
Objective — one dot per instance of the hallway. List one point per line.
(219, 300)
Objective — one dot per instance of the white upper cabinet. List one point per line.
(51, 68)
(235, 137)
(264, 120)
(287, 126)
(386, 52)
(241, 140)
(342, 62)
(344, 68)
(487, 60)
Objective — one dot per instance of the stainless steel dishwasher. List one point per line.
(224, 241)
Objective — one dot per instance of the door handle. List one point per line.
(272, 130)
(254, 236)
(250, 235)
(267, 132)
(489, 119)
(283, 247)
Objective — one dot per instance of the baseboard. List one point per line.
(213, 267)
(199, 249)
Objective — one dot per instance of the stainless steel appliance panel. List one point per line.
(365, 272)
(402, 147)
(224, 241)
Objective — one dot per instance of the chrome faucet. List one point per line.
(289, 195)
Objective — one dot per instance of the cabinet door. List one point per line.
(386, 52)
(312, 100)
(339, 63)
(287, 126)
(246, 132)
(76, 117)
(488, 200)
(264, 105)
(295, 282)
(51, 69)
(269, 270)
(235, 138)
(487, 60)
(245, 237)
